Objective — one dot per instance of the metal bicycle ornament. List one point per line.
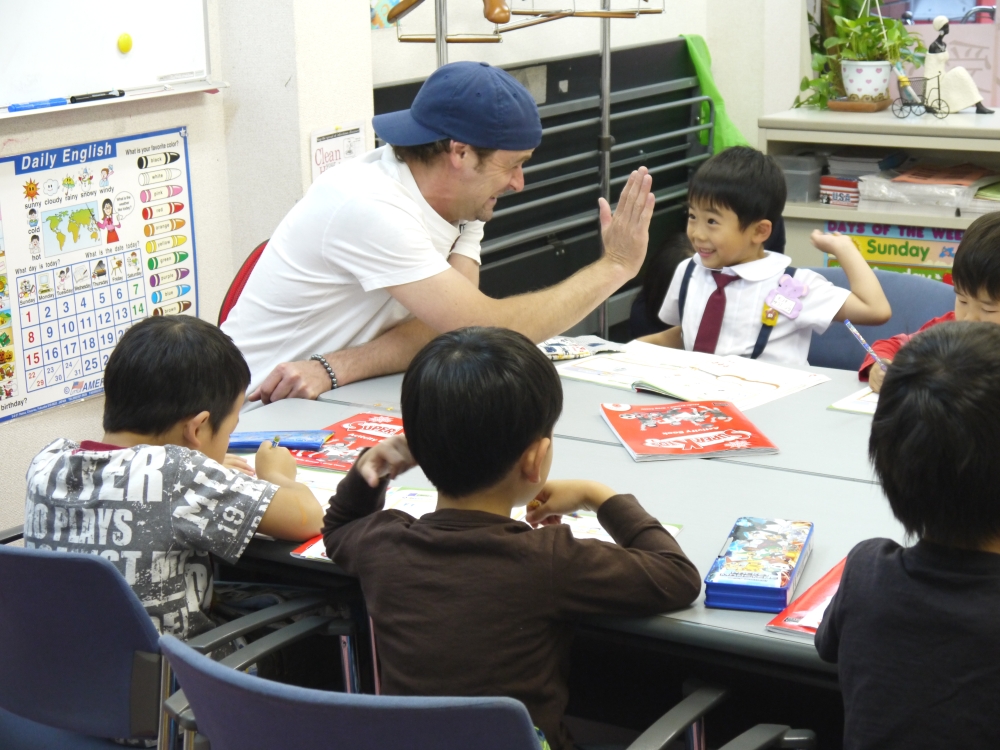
(918, 95)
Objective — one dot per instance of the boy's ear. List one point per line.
(762, 231)
(197, 430)
(533, 458)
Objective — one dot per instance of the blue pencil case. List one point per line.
(303, 440)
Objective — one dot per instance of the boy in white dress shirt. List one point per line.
(735, 297)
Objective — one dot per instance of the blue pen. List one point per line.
(37, 105)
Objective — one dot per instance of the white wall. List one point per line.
(293, 66)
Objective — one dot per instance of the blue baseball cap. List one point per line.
(470, 102)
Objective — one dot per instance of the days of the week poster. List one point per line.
(94, 237)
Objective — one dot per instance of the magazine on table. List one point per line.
(693, 429)
(803, 616)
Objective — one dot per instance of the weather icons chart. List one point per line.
(94, 237)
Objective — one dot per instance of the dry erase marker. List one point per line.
(168, 277)
(160, 175)
(164, 191)
(174, 308)
(861, 339)
(157, 160)
(41, 104)
(161, 209)
(174, 240)
(168, 293)
(80, 98)
(159, 227)
(167, 259)
(274, 442)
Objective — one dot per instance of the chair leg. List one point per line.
(694, 735)
(375, 667)
(348, 661)
(165, 738)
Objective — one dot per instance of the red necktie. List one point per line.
(711, 321)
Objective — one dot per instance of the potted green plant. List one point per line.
(854, 61)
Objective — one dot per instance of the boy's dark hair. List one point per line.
(977, 260)
(935, 438)
(473, 400)
(168, 368)
(744, 180)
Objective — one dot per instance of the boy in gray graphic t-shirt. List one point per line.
(158, 493)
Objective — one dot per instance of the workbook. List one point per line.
(418, 502)
(691, 376)
(803, 616)
(759, 565)
(696, 429)
(321, 483)
(861, 402)
(348, 438)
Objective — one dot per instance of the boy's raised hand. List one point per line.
(561, 497)
(867, 303)
(275, 465)
(390, 458)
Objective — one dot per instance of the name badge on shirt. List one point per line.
(786, 299)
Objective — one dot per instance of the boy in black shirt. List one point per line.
(915, 629)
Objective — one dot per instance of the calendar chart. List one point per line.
(94, 237)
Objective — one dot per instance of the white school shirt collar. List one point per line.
(756, 270)
(434, 221)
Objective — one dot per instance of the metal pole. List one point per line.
(605, 141)
(441, 31)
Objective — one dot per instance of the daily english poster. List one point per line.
(94, 237)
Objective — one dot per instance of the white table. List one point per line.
(704, 496)
(827, 443)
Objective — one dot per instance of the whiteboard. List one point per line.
(61, 48)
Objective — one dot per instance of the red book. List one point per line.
(692, 429)
(803, 616)
(349, 437)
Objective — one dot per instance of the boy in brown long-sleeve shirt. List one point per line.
(465, 600)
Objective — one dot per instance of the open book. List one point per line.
(691, 376)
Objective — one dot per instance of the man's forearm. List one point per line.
(549, 312)
(389, 353)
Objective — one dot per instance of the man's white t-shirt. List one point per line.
(741, 322)
(319, 286)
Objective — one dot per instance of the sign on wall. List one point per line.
(94, 237)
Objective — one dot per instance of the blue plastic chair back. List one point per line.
(239, 712)
(914, 301)
(69, 629)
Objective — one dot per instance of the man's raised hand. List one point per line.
(626, 233)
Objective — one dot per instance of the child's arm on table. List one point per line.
(645, 573)
(293, 512)
(672, 338)
(359, 495)
(867, 304)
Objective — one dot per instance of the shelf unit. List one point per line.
(963, 136)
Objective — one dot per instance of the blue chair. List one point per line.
(914, 300)
(80, 658)
(237, 712)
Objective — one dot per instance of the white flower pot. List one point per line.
(865, 81)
